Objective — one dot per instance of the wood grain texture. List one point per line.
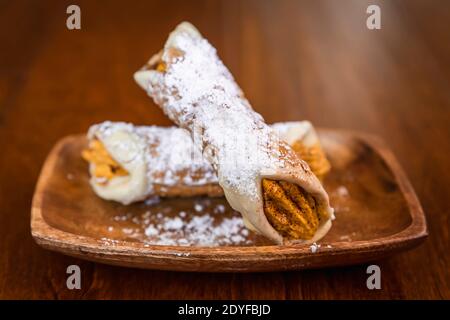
(378, 215)
(295, 60)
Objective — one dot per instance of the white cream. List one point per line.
(129, 150)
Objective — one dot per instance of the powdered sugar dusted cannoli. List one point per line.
(156, 161)
(262, 177)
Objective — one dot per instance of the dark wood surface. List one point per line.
(311, 60)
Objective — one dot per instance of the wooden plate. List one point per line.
(377, 214)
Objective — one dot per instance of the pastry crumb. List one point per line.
(152, 201)
(342, 191)
(314, 247)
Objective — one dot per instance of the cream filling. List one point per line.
(121, 177)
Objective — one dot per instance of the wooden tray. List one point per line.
(377, 214)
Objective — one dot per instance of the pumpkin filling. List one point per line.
(291, 210)
(105, 167)
(314, 156)
(161, 66)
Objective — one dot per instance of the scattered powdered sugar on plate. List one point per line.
(198, 230)
(314, 247)
(152, 200)
(109, 242)
(342, 191)
(198, 207)
(220, 208)
(340, 198)
(173, 224)
(198, 221)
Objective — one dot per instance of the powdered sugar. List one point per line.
(198, 207)
(199, 230)
(342, 191)
(314, 247)
(219, 209)
(173, 224)
(186, 227)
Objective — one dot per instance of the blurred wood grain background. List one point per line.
(295, 60)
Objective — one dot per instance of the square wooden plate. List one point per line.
(377, 214)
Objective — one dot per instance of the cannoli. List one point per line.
(130, 163)
(261, 175)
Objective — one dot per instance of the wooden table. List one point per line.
(295, 60)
